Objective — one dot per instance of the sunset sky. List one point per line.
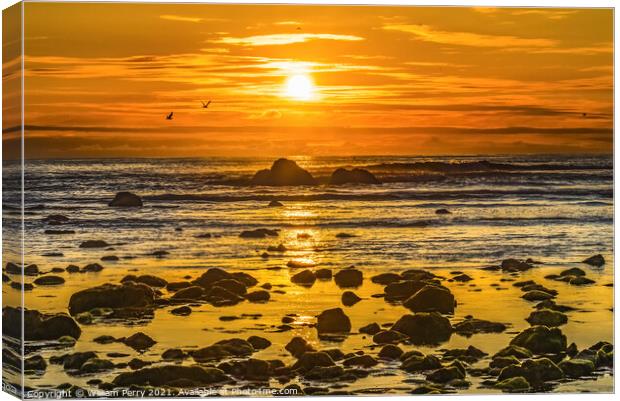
(312, 80)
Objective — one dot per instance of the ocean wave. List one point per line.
(483, 165)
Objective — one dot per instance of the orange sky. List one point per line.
(101, 78)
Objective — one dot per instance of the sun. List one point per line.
(300, 87)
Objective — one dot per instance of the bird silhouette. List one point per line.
(169, 116)
(205, 105)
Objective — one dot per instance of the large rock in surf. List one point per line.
(283, 172)
(38, 326)
(333, 321)
(126, 199)
(127, 295)
(541, 340)
(431, 298)
(356, 176)
(424, 328)
(596, 260)
(349, 278)
(535, 371)
(171, 375)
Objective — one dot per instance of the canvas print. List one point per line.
(304, 200)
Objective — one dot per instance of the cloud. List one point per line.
(287, 23)
(428, 34)
(182, 18)
(285, 39)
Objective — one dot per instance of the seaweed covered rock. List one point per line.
(535, 371)
(546, 317)
(541, 340)
(127, 295)
(283, 172)
(577, 367)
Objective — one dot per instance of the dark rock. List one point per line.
(514, 384)
(503, 361)
(596, 260)
(541, 340)
(535, 371)
(470, 354)
(49, 280)
(35, 363)
(546, 317)
(472, 326)
(96, 365)
(581, 281)
(305, 278)
(128, 295)
(349, 298)
(189, 294)
(104, 339)
(536, 295)
(126, 199)
(515, 265)
(59, 232)
(372, 329)
(279, 248)
(236, 347)
(72, 269)
(550, 304)
(182, 311)
(275, 203)
(310, 360)
(259, 233)
(444, 375)
(442, 211)
(424, 328)
(388, 336)
(298, 346)
(178, 285)
(345, 235)
(139, 341)
(283, 172)
(364, 361)
(110, 258)
(575, 271)
(385, 278)
(211, 276)
(390, 351)
(92, 268)
(38, 326)
(462, 278)
(259, 342)
(56, 219)
(402, 290)
(94, 244)
(418, 362)
(232, 285)
(576, 368)
(173, 354)
(171, 375)
(431, 298)
(323, 274)
(258, 296)
(514, 350)
(349, 278)
(343, 176)
(333, 321)
(151, 281)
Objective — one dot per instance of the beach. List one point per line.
(448, 221)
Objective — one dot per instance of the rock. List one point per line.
(94, 244)
(275, 203)
(550, 304)
(59, 232)
(182, 311)
(219, 296)
(279, 248)
(72, 269)
(110, 258)
(503, 361)
(38, 326)
(364, 361)
(232, 285)
(345, 235)
(323, 274)
(515, 265)
(5, 278)
(470, 354)
(385, 278)
(211, 276)
(126, 199)
(514, 350)
(204, 235)
(310, 360)
(189, 294)
(96, 365)
(258, 296)
(418, 362)
(431, 298)
(92, 268)
(160, 254)
(442, 211)
(49, 280)
(245, 279)
(388, 336)
(596, 260)
(151, 281)
(444, 375)
(581, 281)
(259, 342)
(472, 326)
(372, 329)
(259, 233)
(56, 219)
(546, 317)
(536, 295)
(535, 371)
(305, 278)
(178, 285)
(343, 176)
(349, 278)
(541, 340)
(349, 298)
(236, 347)
(136, 363)
(575, 271)
(390, 351)
(576, 368)
(333, 321)
(298, 346)
(104, 339)
(402, 290)
(514, 384)
(113, 296)
(139, 341)
(173, 354)
(424, 328)
(34, 363)
(283, 172)
(171, 375)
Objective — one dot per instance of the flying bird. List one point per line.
(205, 105)
(169, 116)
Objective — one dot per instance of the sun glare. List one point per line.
(300, 87)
